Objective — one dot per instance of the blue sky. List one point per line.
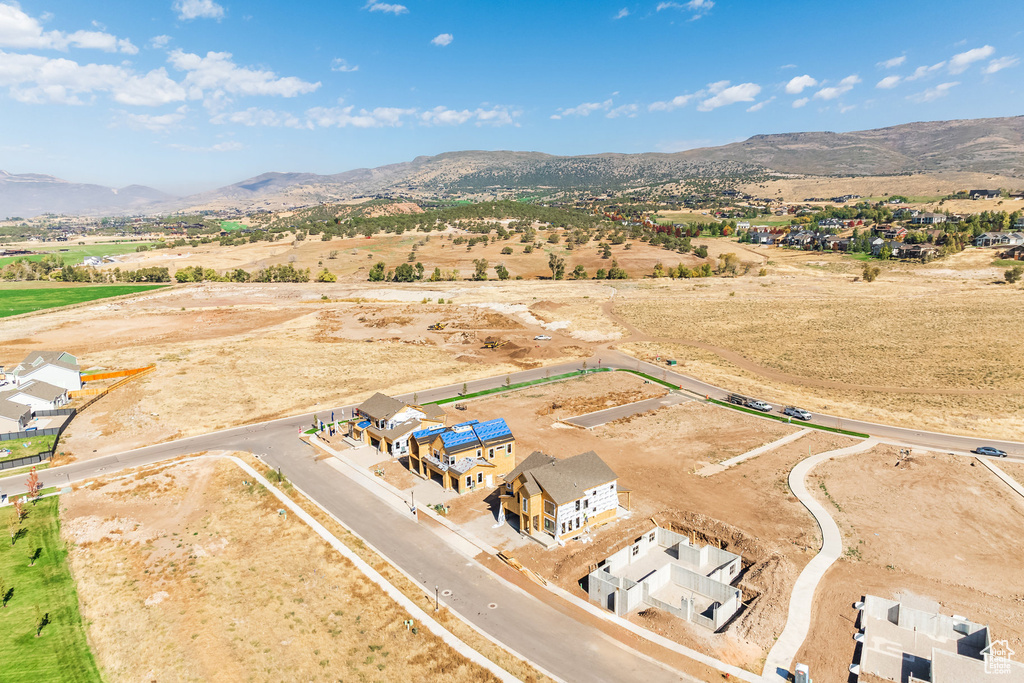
(186, 95)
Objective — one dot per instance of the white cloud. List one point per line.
(254, 116)
(386, 8)
(674, 103)
(760, 105)
(231, 146)
(724, 94)
(959, 63)
(339, 64)
(1000, 64)
(623, 13)
(892, 63)
(797, 84)
(922, 71)
(157, 123)
(36, 79)
(584, 109)
(888, 82)
(443, 39)
(801, 102)
(843, 110)
(215, 77)
(197, 9)
(342, 117)
(788, 66)
(698, 7)
(379, 117)
(159, 42)
(627, 110)
(832, 92)
(19, 30)
(941, 90)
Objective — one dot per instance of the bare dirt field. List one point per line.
(748, 509)
(186, 573)
(934, 526)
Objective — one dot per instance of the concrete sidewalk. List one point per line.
(801, 604)
(708, 470)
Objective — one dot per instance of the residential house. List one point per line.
(663, 569)
(831, 224)
(928, 219)
(743, 225)
(984, 194)
(1019, 223)
(465, 456)
(38, 395)
(905, 213)
(999, 239)
(922, 252)
(804, 239)
(891, 232)
(764, 238)
(53, 367)
(1014, 253)
(387, 423)
(561, 499)
(14, 417)
(878, 244)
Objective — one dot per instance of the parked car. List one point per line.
(760, 405)
(542, 337)
(988, 450)
(798, 413)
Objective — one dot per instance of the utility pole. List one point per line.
(435, 598)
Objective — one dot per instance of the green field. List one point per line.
(61, 653)
(76, 253)
(17, 300)
(231, 226)
(23, 448)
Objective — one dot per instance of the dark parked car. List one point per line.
(988, 450)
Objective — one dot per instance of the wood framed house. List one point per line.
(387, 423)
(561, 499)
(465, 456)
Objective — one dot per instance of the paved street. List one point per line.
(600, 417)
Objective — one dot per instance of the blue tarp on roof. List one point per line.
(363, 425)
(492, 429)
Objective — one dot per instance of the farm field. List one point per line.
(189, 573)
(931, 527)
(61, 652)
(15, 299)
(74, 253)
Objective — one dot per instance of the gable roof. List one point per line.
(469, 435)
(39, 358)
(44, 391)
(535, 459)
(381, 407)
(566, 480)
(12, 410)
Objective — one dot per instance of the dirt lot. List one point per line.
(936, 526)
(655, 454)
(171, 574)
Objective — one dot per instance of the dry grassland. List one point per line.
(186, 573)
(916, 185)
(934, 526)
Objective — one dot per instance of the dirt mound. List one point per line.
(548, 306)
(386, 320)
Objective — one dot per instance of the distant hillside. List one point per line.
(32, 194)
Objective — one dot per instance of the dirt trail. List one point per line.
(740, 361)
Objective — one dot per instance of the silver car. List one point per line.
(761, 405)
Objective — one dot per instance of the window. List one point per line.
(469, 481)
(524, 504)
(586, 503)
(479, 477)
(563, 527)
(490, 454)
(508, 485)
(577, 506)
(549, 508)
(479, 452)
(651, 537)
(549, 525)
(636, 550)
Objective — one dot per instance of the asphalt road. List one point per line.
(600, 417)
(555, 641)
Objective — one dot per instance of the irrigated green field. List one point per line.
(17, 300)
(75, 253)
(44, 591)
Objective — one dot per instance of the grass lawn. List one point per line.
(19, 449)
(17, 300)
(1006, 263)
(61, 653)
(231, 225)
(75, 253)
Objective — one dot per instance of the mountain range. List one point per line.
(993, 146)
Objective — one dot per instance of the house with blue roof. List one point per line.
(464, 457)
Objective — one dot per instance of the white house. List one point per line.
(53, 367)
(14, 417)
(38, 395)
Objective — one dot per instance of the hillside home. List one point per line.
(38, 395)
(53, 367)
(14, 417)
(984, 194)
(465, 456)
(387, 423)
(662, 569)
(892, 232)
(928, 219)
(561, 499)
(999, 239)
(922, 252)
(764, 238)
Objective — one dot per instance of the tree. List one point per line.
(557, 266)
(616, 273)
(502, 271)
(601, 274)
(606, 250)
(32, 483)
(19, 509)
(406, 272)
(436, 276)
(326, 276)
(579, 273)
(506, 250)
(728, 263)
(870, 272)
(419, 270)
(481, 269)
(3, 593)
(1014, 274)
(377, 272)
(659, 270)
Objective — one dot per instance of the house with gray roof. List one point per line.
(555, 500)
(53, 367)
(388, 423)
(14, 417)
(38, 395)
